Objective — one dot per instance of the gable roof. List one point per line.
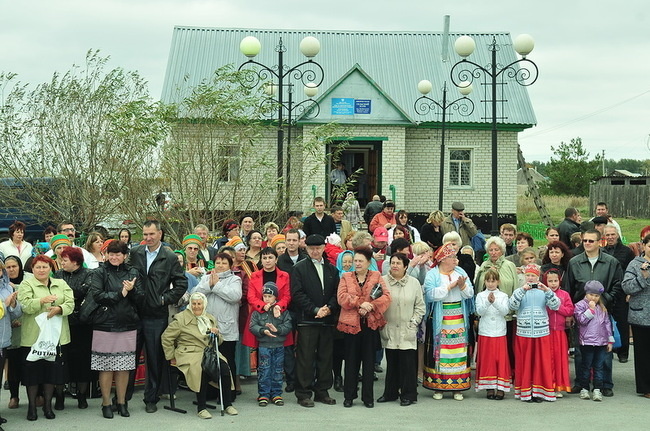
(394, 61)
(369, 89)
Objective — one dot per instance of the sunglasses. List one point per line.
(589, 241)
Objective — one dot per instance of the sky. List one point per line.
(594, 60)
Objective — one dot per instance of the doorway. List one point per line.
(361, 160)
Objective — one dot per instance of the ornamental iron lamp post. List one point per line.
(424, 104)
(278, 81)
(522, 71)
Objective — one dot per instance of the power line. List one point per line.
(584, 117)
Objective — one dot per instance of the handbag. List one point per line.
(48, 338)
(87, 309)
(617, 335)
(210, 362)
(376, 291)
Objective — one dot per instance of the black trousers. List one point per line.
(641, 357)
(314, 348)
(225, 383)
(621, 312)
(360, 350)
(152, 330)
(401, 374)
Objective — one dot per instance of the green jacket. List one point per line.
(29, 293)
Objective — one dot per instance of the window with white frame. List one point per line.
(229, 157)
(460, 168)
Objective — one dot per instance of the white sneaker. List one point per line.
(230, 410)
(559, 395)
(597, 395)
(437, 395)
(584, 394)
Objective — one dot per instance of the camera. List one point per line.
(534, 285)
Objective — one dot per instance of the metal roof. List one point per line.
(396, 61)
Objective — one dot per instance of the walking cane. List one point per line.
(216, 347)
(172, 395)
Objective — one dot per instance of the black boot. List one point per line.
(122, 409)
(47, 411)
(107, 412)
(59, 404)
(31, 412)
(82, 403)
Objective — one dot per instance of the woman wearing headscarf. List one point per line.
(10, 310)
(343, 264)
(449, 296)
(15, 274)
(352, 210)
(224, 291)
(183, 343)
(243, 269)
(57, 244)
(193, 263)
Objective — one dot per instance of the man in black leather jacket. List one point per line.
(158, 267)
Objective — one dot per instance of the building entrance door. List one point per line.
(362, 165)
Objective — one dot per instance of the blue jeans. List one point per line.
(269, 371)
(593, 357)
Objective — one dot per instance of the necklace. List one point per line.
(361, 283)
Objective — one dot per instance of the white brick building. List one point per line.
(369, 88)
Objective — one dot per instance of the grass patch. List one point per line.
(527, 213)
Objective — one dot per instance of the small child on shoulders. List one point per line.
(596, 339)
(492, 363)
(271, 331)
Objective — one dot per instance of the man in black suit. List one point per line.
(158, 267)
(314, 283)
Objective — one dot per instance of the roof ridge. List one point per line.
(324, 31)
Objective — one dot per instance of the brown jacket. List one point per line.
(183, 341)
(350, 296)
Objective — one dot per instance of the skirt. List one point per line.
(493, 364)
(534, 368)
(45, 372)
(447, 369)
(113, 351)
(560, 352)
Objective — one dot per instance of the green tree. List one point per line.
(571, 170)
(75, 144)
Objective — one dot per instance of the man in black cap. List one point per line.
(314, 283)
(458, 222)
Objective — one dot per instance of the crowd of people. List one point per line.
(319, 304)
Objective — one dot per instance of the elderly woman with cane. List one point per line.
(184, 341)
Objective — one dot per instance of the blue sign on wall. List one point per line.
(343, 106)
(362, 106)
